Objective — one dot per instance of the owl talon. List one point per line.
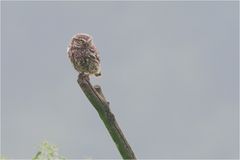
(82, 76)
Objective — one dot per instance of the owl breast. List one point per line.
(85, 60)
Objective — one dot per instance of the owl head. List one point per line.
(81, 40)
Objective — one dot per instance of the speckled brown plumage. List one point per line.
(84, 55)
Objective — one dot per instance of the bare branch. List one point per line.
(99, 102)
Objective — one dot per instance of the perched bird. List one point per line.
(84, 55)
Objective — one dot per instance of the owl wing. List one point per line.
(94, 54)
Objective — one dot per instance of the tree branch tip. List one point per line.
(83, 77)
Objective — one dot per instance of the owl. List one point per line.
(84, 54)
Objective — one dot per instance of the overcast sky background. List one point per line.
(169, 70)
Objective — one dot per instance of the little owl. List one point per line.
(84, 55)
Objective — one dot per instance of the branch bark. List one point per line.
(99, 102)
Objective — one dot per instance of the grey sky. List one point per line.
(170, 72)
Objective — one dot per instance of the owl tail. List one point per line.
(98, 74)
